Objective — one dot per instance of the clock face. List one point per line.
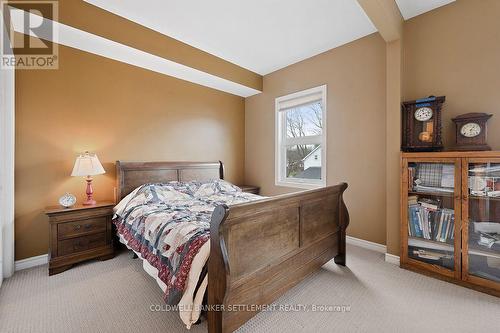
(423, 114)
(67, 200)
(470, 130)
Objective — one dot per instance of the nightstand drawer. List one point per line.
(79, 244)
(80, 228)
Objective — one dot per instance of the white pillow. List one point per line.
(123, 203)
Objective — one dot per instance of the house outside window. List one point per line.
(301, 139)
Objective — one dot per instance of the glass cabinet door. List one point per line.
(481, 241)
(433, 193)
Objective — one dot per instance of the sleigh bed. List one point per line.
(257, 250)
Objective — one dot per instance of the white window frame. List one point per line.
(281, 141)
(7, 149)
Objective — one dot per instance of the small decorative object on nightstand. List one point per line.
(67, 200)
(250, 189)
(88, 165)
(79, 233)
(470, 131)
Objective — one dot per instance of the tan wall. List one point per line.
(453, 51)
(119, 112)
(355, 75)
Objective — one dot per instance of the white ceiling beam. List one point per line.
(84, 41)
(386, 17)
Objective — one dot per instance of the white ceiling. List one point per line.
(259, 35)
(412, 8)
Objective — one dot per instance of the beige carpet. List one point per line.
(116, 296)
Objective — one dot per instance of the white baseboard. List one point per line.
(366, 244)
(392, 259)
(31, 262)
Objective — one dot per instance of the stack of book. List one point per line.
(486, 234)
(427, 220)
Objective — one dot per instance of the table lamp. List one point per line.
(88, 165)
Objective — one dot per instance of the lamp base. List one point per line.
(89, 202)
(90, 191)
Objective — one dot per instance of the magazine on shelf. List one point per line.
(423, 188)
(429, 203)
(488, 240)
(486, 235)
(431, 255)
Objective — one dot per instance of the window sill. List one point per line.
(306, 186)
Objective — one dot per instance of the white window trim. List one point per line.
(7, 149)
(280, 168)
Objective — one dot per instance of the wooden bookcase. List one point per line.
(450, 217)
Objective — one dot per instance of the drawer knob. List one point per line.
(87, 226)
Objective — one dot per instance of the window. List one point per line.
(301, 139)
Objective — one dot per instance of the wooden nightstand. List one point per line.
(250, 189)
(79, 233)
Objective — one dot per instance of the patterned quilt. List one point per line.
(168, 224)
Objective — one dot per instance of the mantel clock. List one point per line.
(470, 131)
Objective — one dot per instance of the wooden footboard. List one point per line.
(261, 249)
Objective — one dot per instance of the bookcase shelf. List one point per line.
(437, 194)
(452, 236)
(473, 197)
(428, 243)
(486, 253)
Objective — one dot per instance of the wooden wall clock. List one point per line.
(470, 131)
(421, 122)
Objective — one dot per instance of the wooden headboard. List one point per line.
(130, 175)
